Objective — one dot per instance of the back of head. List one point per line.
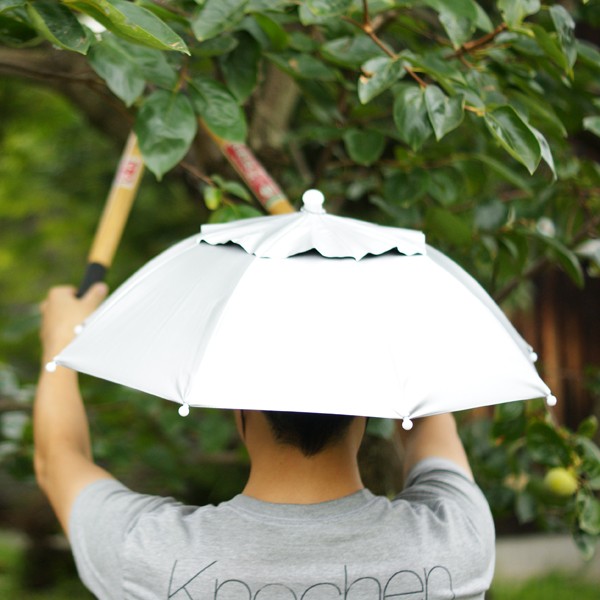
(309, 432)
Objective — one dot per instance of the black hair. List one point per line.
(309, 432)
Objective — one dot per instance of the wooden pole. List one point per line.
(114, 216)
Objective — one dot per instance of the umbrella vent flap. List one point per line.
(312, 229)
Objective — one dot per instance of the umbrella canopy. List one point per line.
(308, 312)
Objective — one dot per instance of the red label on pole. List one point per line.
(129, 172)
(259, 181)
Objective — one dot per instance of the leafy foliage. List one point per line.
(477, 122)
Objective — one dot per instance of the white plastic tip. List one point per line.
(551, 400)
(407, 424)
(51, 366)
(184, 410)
(533, 356)
(313, 202)
(78, 329)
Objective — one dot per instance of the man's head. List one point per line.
(308, 432)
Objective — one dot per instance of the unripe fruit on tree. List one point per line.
(561, 481)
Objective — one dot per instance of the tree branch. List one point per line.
(468, 47)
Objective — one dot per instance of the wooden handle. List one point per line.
(263, 186)
(117, 207)
(114, 216)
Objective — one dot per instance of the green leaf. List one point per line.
(58, 25)
(515, 136)
(328, 8)
(122, 76)
(303, 66)
(216, 46)
(547, 446)
(446, 185)
(586, 544)
(410, 115)
(11, 4)
(491, 216)
(131, 22)
(351, 52)
(404, 189)
(589, 513)
(236, 189)
(509, 421)
(551, 47)
(153, 64)
(217, 16)
(540, 111)
(16, 33)
(459, 18)
(525, 507)
(234, 212)
(218, 108)
(364, 147)
(567, 258)
(514, 11)
(590, 460)
(240, 67)
(448, 226)
(165, 126)
(588, 427)
(565, 29)
(483, 22)
(592, 124)
(545, 149)
(505, 172)
(444, 113)
(378, 75)
(588, 54)
(277, 35)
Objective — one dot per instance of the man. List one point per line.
(304, 528)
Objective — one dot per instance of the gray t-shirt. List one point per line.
(434, 541)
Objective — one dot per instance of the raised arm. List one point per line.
(62, 457)
(433, 436)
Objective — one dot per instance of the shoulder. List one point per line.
(440, 491)
(106, 516)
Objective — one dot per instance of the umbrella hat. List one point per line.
(308, 312)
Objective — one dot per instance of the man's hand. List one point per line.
(62, 311)
(63, 458)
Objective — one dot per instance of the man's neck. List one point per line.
(282, 474)
(290, 478)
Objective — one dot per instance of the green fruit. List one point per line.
(561, 481)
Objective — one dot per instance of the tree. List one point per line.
(477, 123)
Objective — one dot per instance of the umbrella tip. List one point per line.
(551, 400)
(184, 410)
(313, 202)
(407, 424)
(51, 366)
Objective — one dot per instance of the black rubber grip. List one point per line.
(94, 272)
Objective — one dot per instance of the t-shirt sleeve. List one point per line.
(102, 516)
(450, 495)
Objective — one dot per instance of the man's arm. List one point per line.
(433, 436)
(62, 457)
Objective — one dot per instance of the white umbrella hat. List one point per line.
(308, 312)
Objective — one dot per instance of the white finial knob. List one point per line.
(407, 424)
(551, 400)
(78, 329)
(533, 356)
(184, 410)
(51, 366)
(313, 202)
